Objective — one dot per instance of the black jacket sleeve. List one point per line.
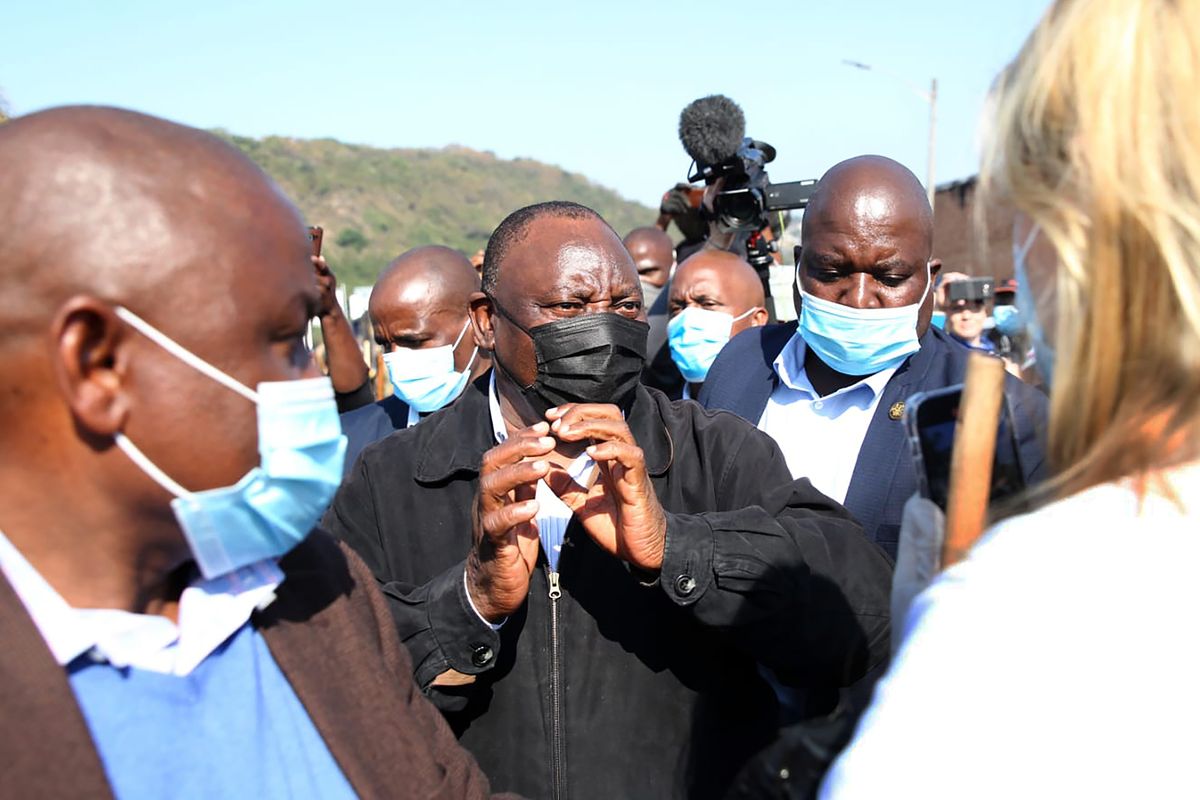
(784, 568)
(435, 620)
(364, 395)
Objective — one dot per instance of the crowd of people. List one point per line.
(614, 531)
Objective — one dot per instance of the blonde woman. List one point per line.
(1062, 659)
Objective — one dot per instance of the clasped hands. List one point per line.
(619, 511)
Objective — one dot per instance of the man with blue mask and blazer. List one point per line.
(830, 388)
(418, 312)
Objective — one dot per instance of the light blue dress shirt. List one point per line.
(820, 436)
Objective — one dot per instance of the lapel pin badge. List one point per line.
(896, 411)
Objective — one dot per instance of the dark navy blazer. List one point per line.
(369, 424)
(741, 380)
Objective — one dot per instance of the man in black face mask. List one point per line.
(587, 574)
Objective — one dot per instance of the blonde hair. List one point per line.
(1095, 136)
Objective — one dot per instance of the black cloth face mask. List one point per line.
(591, 358)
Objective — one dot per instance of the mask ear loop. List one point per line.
(474, 352)
(149, 467)
(192, 360)
(928, 281)
(750, 311)
(183, 354)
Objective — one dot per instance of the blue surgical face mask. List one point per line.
(696, 336)
(276, 504)
(860, 341)
(1043, 353)
(425, 378)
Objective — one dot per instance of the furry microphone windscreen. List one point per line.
(711, 129)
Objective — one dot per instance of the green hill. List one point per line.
(374, 204)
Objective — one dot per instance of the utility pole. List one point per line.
(929, 97)
(930, 183)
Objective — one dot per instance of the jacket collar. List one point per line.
(45, 740)
(456, 438)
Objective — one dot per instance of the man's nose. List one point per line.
(859, 294)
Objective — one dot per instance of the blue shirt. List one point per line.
(233, 727)
(820, 436)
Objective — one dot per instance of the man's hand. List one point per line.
(506, 538)
(620, 511)
(327, 285)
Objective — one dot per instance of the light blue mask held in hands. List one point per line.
(276, 504)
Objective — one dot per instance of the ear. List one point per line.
(481, 312)
(935, 266)
(759, 318)
(796, 252)
(92, 357)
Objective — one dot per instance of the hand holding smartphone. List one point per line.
(931, 419)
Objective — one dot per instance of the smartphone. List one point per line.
(931, 419)
(316, 233)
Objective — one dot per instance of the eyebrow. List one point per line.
(893, 263)
(825, 259)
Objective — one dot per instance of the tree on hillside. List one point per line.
(376, 203)
(353, 239)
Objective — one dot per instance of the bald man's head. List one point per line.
(714, 295)
(653, 254)
(869, 190)
(123, 205)
(717, 280)
(439, 274)
(106, 208)
(868, 238)
(422, 300)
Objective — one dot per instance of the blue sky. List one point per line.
(595, 88)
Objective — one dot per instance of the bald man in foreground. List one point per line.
(419, 312)
(170, 626)
(715, 295)
(831, 387)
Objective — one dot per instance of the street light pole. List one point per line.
(929, 181)
(929, 97)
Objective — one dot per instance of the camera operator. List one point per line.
(681, 204)
(738, 194)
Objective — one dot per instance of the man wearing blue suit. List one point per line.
(830, 388)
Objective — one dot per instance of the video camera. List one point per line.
(712, 130)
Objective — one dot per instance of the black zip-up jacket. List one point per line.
(619, 689)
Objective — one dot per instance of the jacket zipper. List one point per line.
(557, 759)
